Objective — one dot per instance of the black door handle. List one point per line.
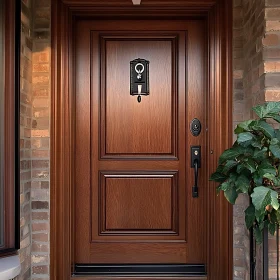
(195, 187)
(195, 163)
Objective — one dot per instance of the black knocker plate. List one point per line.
(139, 77)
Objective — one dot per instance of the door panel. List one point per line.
(133, 181)
(132, 128)
(139, 203)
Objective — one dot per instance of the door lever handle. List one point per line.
(195, 187)
(195, 163)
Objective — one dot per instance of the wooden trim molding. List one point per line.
(11, 128)
(219, 15)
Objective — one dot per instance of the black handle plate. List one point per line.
(196, 155)
(195, 163)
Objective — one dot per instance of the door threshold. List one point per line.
(137, 278)
(155, 271)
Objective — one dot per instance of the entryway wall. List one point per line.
(256, 56)
(256, 75)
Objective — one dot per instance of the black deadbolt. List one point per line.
(195, 127)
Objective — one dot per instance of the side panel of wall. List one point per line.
(25, 137)
(40, 143)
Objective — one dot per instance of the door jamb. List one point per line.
(219, 225)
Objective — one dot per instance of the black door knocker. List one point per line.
(139, 78)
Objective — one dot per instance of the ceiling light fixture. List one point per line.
(136, 2)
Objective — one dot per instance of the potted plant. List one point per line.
(252, 166)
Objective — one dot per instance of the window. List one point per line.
(9, 88)
(1, 121)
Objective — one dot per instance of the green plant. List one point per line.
(252, 166)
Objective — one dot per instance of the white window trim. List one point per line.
(9, 267)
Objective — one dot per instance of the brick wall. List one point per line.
(34, 133)
(25, 138)
(40, 144)
(256, 59)
(271, 72)
(240, 112)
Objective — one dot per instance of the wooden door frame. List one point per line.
(218, 13)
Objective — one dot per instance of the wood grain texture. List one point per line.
(191, 100)
(219, 226)
(140, 203)
(133, 252)
(132, 127)
(8, 182)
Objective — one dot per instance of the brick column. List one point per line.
(41, 140)
(271, 71)
(25, 138)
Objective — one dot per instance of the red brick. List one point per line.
(42, 216)
(40, 237)
(40, 227)
(271, 40)
(45, 68)
(40, 205)
(273, 25)
(40, 164)
(40, 153)
(41, 269)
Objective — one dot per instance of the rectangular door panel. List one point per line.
(138, 204)
(128, 128)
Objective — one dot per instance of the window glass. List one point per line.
(1, 122)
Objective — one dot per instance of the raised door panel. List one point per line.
(130, 129)
(138, 204)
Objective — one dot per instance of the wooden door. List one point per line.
(133, 179)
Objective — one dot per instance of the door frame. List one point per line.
(218, 14)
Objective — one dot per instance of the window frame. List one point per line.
(11, 139)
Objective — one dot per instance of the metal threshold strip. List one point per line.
(123, 270)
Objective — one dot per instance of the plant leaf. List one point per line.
(266, 109)
(263, 196)
(250, 165)
(243, 126)
(278, 215)
(265, 128)
(273, 178)
(225, 186)
(277, 133)
(257, 180)
(274, 141)
(275, 149)
(258, 235)
(229, 154)
(274, 117)
(260, 155)
(271, 228)
(229, 165)
(256, 143)
(244, 137)
(259, 110)
(242, 183)
(218, 177)
(272, 107)
(231, 195)
(266, 167)
(250, 216)
(259, 216)
(273, 216)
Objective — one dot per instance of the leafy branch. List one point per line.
(252, 166)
